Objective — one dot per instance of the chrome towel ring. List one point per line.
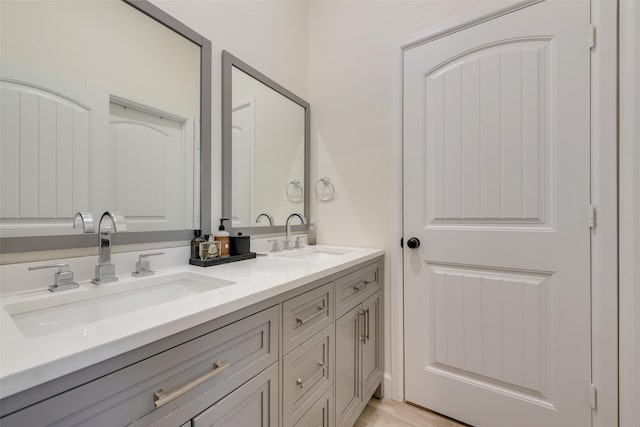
(327, 191)
(294, 191)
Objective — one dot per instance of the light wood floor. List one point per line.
(388, 413)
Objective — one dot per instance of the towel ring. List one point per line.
(294, 191)
(326, 195)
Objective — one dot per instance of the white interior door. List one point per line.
(497, 190)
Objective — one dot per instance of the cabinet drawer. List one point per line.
(306, 315)
(307, 373)
(320, 414)
(172, 385)
(253, 404)
(355, 287)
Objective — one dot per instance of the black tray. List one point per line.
(218, 261)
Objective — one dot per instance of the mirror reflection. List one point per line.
(100, 111)
(265, 150)
(268, 153)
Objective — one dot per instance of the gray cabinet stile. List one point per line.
(307, 358)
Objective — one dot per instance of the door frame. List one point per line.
(604, 196)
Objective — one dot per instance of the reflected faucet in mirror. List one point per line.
(287, 243)
(266, 215)
(109, 222)
(87, 221)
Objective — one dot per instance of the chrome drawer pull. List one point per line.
(301, 383)
(362, 313)
(160, 399)
(321, 310)
(365, 283)
(366, 334)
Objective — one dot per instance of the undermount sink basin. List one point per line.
(314, 253)
(62, 311)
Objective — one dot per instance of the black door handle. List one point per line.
(413, 243)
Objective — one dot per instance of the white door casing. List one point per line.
(496, 187)
(242, 168)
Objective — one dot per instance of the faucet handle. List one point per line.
(143, 266)
(63, 279)
(276, 245)
(298, 243)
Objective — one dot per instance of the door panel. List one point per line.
(496, 187)
(347, 384)
(371, 363)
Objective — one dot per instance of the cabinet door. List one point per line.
(371, 345)
(320, 414)
(307, 373)
(347, 383)
(255, 404)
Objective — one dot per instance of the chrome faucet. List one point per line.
(269, 217)
(288, 229)
(87, 221)
(105, 271)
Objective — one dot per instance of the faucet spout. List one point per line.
(87, 221)
(110, 222)
(266, 215)
(288, 228)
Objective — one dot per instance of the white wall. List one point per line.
(629, 214)
(351, 60)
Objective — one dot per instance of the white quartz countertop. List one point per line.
(26, 362)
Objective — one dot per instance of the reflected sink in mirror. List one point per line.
(314, 254)
(59, 312)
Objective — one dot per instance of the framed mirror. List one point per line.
(265, 151)
(106, 105)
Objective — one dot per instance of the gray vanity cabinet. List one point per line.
(320, 414)
(307, 358)
(253, 404)
(168, 388)
(348, 391)
(358, 358)
(371, 354)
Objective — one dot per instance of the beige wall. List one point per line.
(352, 49)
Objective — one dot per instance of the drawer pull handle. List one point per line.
(366, 334)
(301, 383)
(365, 283)
(321, 310)
(160, 398)
(362, 337)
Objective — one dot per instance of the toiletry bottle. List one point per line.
(195, 244)
(311, 239)
(224, 238)
(212, 250)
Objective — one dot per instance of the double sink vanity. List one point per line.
(293, 338)
(288, 339)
